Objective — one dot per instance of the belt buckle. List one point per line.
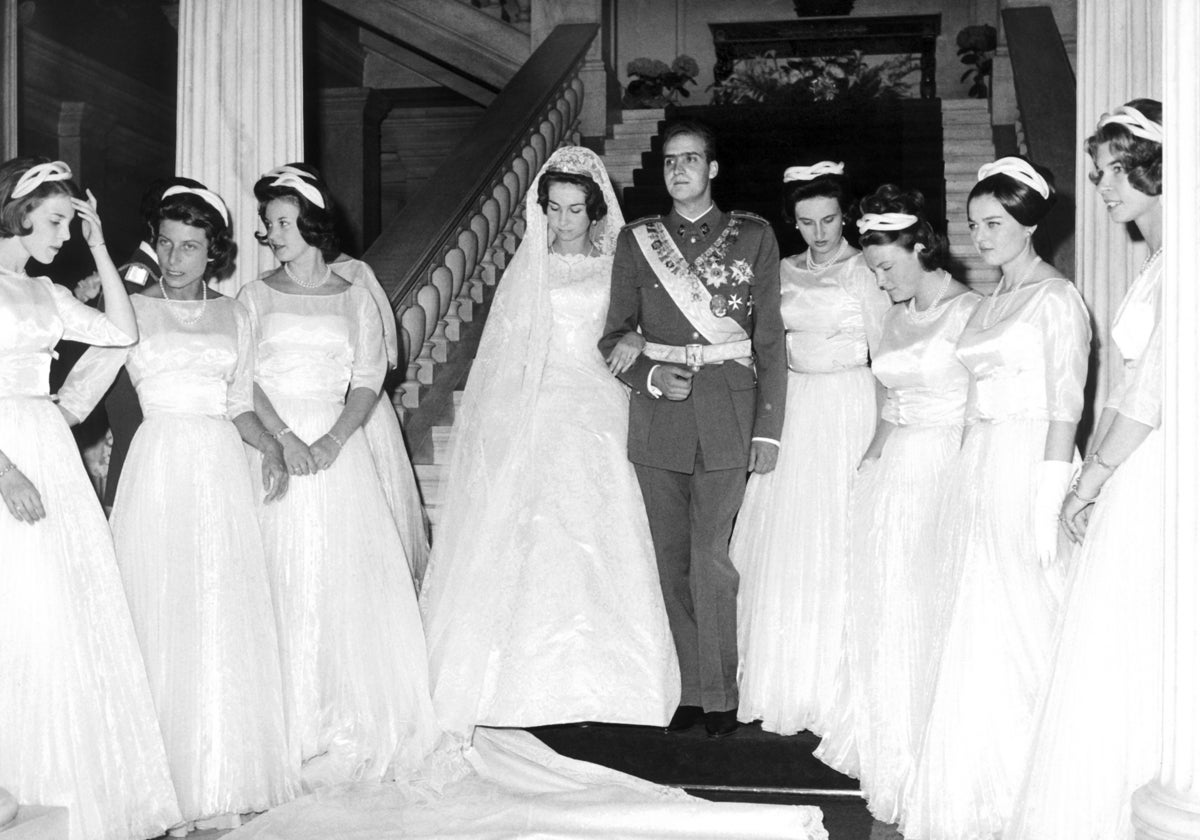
(694, 355)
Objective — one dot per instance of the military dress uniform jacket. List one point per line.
(736, 257)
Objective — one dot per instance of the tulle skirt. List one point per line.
(885, 683)
(79, 728)
(789, 546)
(993, 644)
(356, 689)
(510, 785)
(191, 559)
(386, 441)
(1099, 734)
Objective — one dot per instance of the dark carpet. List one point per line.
(748, 766)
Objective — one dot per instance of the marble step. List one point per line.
(965, 104)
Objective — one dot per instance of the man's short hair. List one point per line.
(695, 128)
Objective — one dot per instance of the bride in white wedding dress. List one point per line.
(541, 601)
(540, 410)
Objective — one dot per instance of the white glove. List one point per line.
(1052, 479)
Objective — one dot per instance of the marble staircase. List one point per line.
(630, 138)
(967, 145)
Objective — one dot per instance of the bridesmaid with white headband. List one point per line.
(790, 541)
(1107, 672)
(1026, 347)
(893, 592)
(204, 619)
(382, 426)
(351, 644)
(79, 728)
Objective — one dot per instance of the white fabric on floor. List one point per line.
(508, 784)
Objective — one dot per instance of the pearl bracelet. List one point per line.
(6, 470)
(335, 438)
(281, 433)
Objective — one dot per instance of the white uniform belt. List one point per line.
(698, 355)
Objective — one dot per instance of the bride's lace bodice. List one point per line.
(579, 289)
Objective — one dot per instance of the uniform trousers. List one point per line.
(691, 520)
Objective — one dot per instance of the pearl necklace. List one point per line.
(813, 265)
(173, 306)
(988, 320)
(308, 284)
(922, 315)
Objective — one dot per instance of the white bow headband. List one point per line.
(300, 184)
(207, 196)
(290, 170)
(39, 174)
(808, 173)
(1018, 170)
(886, 221)
(1138, 124)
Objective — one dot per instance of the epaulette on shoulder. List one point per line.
(642, 221)
(748, 216)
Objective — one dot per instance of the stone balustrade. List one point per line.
(478, 247)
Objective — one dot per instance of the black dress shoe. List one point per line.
(685, 718)
(720, 724)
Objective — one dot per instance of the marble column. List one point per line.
(1169, 807)
(8, 79)
(1120, 58)
(240, 106)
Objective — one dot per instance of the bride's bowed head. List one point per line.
(571, 200)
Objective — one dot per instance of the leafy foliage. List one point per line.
(976, 46)
(769, 80)
(655, 85)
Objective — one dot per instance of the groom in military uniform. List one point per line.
(702, 285)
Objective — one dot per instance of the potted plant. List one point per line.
(653, 84)
(769, 80)
(976, 46)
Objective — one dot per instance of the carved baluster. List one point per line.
(512, 186)
(456, 263)
(487, 268)
(412, 339)
(429, 301)
(507, 242)
(538, 143)
(472, 293)
(441, 279)
(520, 168)
(494, 253)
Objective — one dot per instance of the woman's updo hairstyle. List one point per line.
(1140, 157)
(14, 212)
(823, 186)
(315, 222)
(934, 252)
(1022, 200)
(192, 210)
(597, 207)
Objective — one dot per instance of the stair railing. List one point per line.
(455, 236)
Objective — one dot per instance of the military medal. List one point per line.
(719, 305)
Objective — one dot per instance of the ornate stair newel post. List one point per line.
(1169, 807)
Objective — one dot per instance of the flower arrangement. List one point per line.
(976, 46)
(656, 85)
(769, 80)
